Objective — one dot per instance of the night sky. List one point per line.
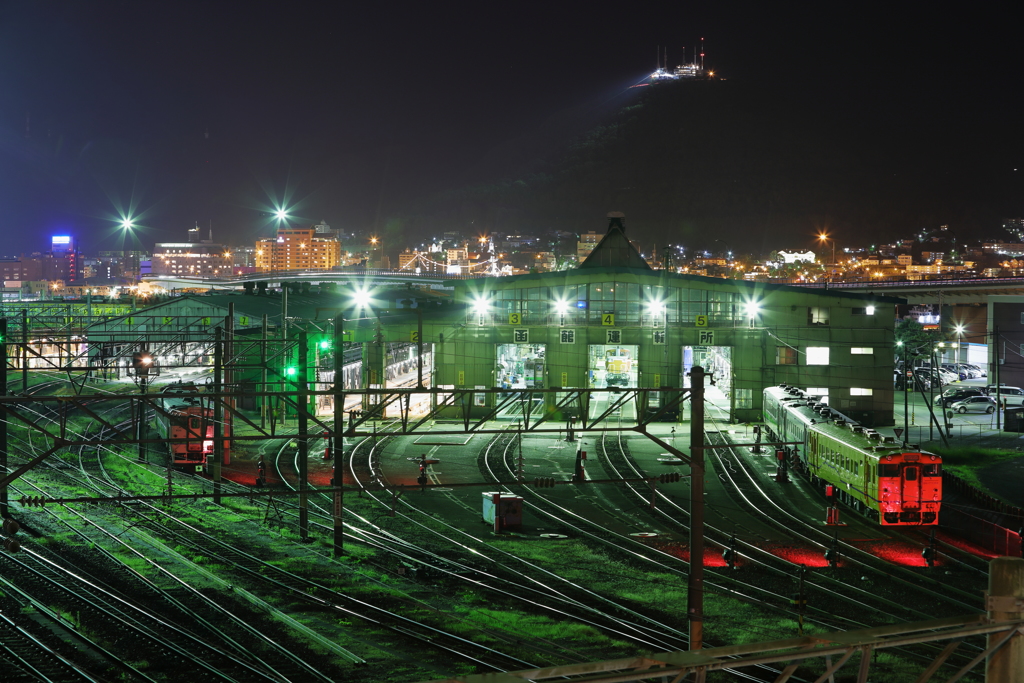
(180, 113)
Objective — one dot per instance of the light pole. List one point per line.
(127, 226)
(561, 307)
(823, 238)
(375, 259)
(959, 329)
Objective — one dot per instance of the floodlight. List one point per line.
(361, 298)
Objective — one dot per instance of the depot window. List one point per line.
(817, 315)
(785, 355)
(744, 398)
(817, 355)
(857, 391)
(821, 393)
(862, 351)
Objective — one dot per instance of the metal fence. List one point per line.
(966, 434)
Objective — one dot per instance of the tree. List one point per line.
(912, 340)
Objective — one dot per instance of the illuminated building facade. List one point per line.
(297, 249)
(200, 259)
(63, 246)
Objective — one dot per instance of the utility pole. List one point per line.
(229, 383)
(419, 347)
(264, 341)
(302, 399)
(339, 428)
(140, 431)
(998, 362)
(24, 350)
(4, 510)
(1005, 600)
(695, 581)
(906, 399)
(218, 413)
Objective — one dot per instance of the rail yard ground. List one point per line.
(430, 590)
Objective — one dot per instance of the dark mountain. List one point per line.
(758, 167)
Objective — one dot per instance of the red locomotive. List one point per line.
(188, 426)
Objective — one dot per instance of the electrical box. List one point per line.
(502, 510)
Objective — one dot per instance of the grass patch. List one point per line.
(966, 462)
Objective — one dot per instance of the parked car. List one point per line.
(971, 371)
(957, 370)
(954, 394)
(975, 404)
(1010, 396)
(937, 376)
(981, 371)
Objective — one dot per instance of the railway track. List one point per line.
(829, 595)
(249, 655)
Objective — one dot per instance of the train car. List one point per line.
(618, 365)
(188, 426)
(873, 474)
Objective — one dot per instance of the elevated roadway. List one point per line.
(355, 277)
(967, 291)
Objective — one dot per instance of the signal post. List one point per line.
(695, 582)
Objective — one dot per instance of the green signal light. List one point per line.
(290, 372)
(325, 344)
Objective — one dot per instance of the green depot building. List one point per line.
(615, 323)
(611, 324)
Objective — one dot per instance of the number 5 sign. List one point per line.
(702, 321)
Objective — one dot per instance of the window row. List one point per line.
(813, 355)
